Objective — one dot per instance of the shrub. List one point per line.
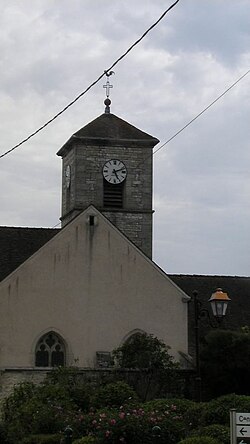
(225, 359)
(85, 440)
(41, 409)
(144, 351)
(2, 434)
(79, 392)
(21, 393)
(194, 415)
(114, 395)
(217, 431)
(217, 410)
(200, 440)
(42, 439)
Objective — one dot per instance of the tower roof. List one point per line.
(109, 129)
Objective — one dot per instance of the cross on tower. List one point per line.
(108, 86)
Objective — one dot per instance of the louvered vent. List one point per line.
(112, 195)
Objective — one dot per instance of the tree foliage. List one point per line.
(158, 370)
(144, 351)
(225, 358)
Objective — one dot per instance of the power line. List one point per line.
(92, 84)
(202, 112)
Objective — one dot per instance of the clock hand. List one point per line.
(115, 173)
(120, 169)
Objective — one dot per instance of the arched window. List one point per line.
(50, 351)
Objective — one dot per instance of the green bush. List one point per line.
(144, 350)
(21, 393)
(41, 409)
(194, 415)
(200, 440)
(85, 440)
(79, 392)
(217, 410)
(225, 357)
(2, 434)
(114, 395)
(217, 431)
(42, 439)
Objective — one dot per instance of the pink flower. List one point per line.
(112, 421)
(122, 415)
(108, 433)
(102, 415)
(94, 422)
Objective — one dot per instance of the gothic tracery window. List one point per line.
(50, 351)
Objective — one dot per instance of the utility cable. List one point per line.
(92, 84)
(202, 112)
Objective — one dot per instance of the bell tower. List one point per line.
(108, 164)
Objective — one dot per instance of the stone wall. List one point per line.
(86, 188)
(11, 377)
(136, 378)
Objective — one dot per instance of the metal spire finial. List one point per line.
(108, 86)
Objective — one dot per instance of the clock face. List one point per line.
(67, 176)
(114, 171)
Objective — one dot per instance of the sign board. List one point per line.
(243, 418)
(242, 431)
(243, 440)
(239, 427)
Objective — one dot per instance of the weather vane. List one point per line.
(108, 86)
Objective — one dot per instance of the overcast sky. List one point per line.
(51, 50)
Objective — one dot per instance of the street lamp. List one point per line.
(218, 302)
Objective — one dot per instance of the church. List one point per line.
(70, 296)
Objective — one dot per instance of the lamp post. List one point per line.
(218, 302)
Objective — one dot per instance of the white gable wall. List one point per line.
(92, 286)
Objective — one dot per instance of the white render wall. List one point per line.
(93, 287)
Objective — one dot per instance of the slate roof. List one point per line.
(109, 129)
(17, 244)
(238, 290)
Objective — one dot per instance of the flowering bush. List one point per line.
(132, 425)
